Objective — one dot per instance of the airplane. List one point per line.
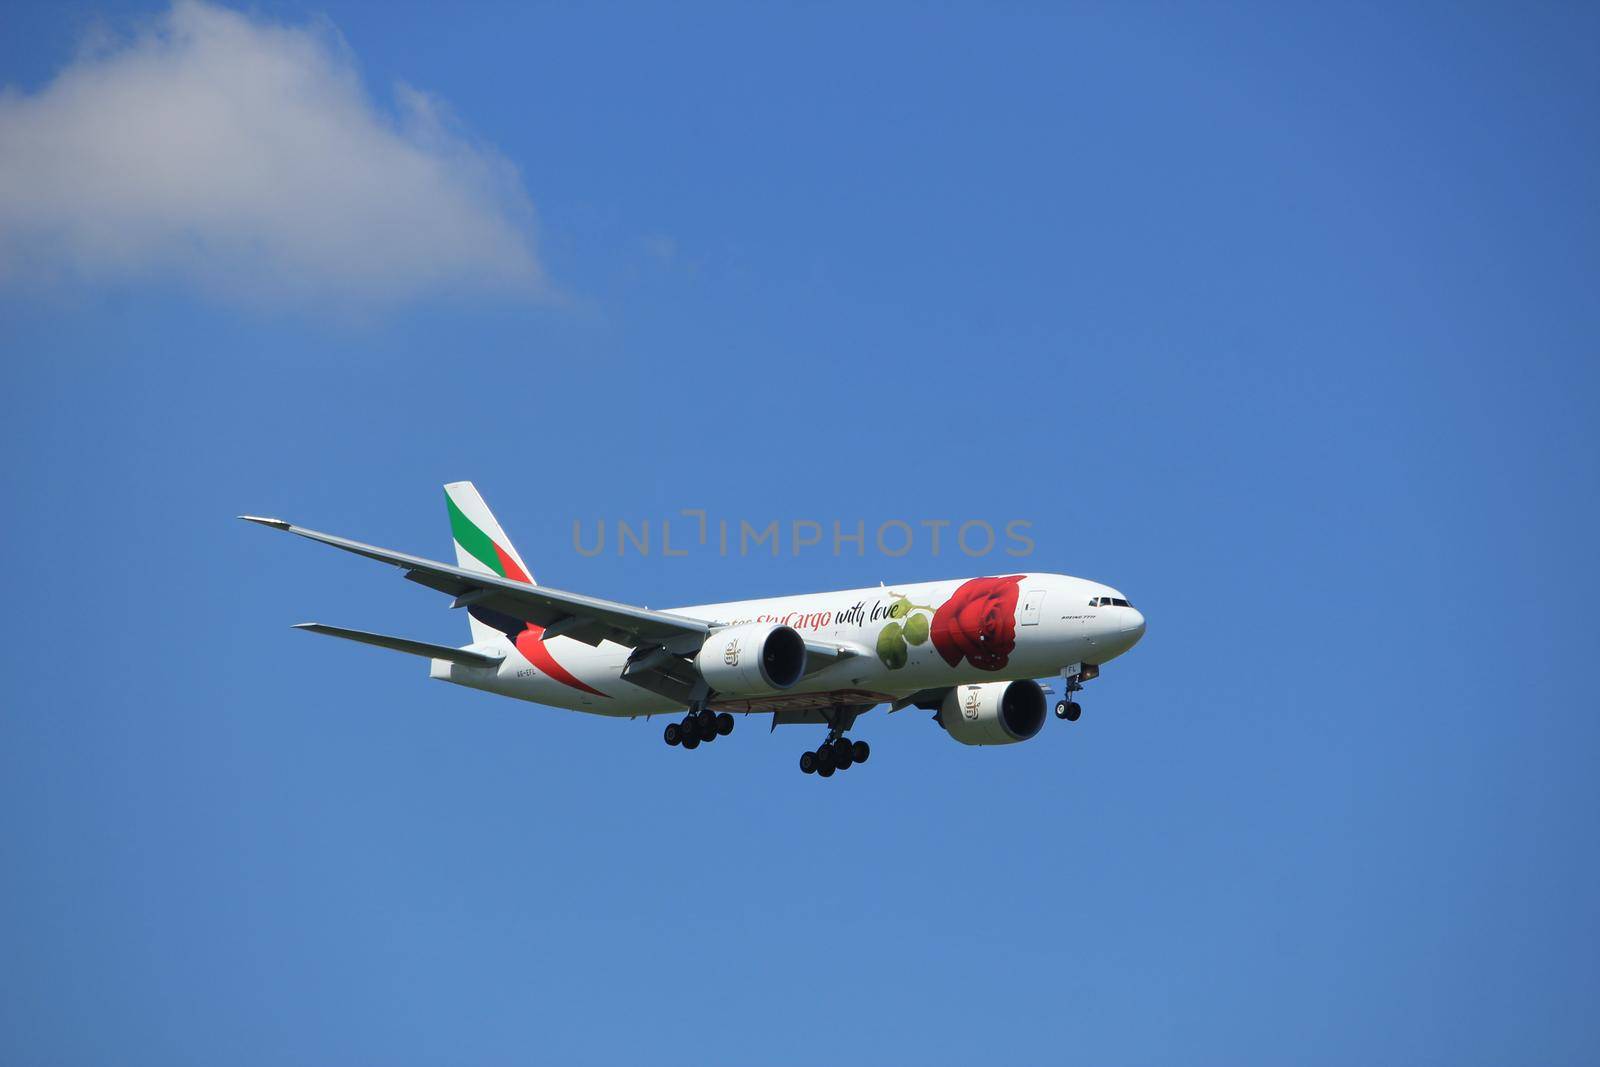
(968, 650)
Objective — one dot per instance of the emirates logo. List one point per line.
(730, 655)
(969, 707)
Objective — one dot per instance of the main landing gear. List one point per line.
(837, 753)
(697, 726)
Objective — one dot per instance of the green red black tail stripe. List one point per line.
(481, 547)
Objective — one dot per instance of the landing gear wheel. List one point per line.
(724, 724)
(673, 733)
(843, 757)
(825, 762)
(859, 751)
(808, 763)
(824, 770)
(708, 723)
(1061, 709)
(691, 740)
(1073, 711)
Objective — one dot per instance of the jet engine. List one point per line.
(993, 713)
(752, 659)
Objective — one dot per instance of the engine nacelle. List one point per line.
(993, 713)
(749, 660)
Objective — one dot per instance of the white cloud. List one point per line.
(247, 158)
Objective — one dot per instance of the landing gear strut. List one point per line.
(697, 726)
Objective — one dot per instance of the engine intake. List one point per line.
(752, 659)
(993, 713)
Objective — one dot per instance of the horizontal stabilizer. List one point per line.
(401, 644)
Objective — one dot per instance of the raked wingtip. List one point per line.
(276, 524)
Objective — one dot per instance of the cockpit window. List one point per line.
(1108, 602)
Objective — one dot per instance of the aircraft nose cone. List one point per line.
(1134, 628)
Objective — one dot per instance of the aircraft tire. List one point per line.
(724, 724)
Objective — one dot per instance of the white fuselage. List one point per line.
(1055, 623)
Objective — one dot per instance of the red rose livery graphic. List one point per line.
(978, 623)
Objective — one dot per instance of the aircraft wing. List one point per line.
(561, 614)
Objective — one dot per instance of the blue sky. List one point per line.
(1281, 320)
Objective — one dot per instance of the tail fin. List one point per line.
(481, 545)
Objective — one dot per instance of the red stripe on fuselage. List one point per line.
(530, 643)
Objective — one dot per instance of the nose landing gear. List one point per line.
(1074, 677)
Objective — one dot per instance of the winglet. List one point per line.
(276, 524)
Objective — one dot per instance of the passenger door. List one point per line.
(1028, 613)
